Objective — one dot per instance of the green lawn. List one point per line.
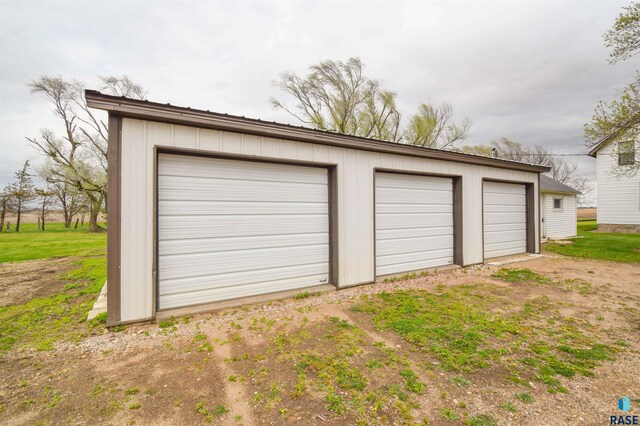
(595, 245)
(42, 321)
(56, 241)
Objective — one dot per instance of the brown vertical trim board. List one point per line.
(334, 274)
(540, 216)
(113, 217)
(457, 222)
(530, 192)
(482, 213)
(154, 271)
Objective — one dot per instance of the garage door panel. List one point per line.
(188, 189)
(198, 245)
(505, 219)
(408, 233)
(209, 263)
(236, 291)
(516, 236)
(178, 227)
(202, 167)
(408, 266)
(406, 181)
(412, 245)
(414, 222)
(197, 283)
(415, 208)
(229, 229)
(401, 196)
(201, 207)
(402, 221)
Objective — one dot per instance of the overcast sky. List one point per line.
(530, 71)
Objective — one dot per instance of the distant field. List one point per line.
(55, 241)
(584, 214)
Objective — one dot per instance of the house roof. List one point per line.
(146, 110)
(551, 185)
(596, 147)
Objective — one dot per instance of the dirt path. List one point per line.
(22, 281)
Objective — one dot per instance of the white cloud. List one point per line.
(532, 71)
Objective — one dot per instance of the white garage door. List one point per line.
(414, 222)
(505, 219)
(229, 229)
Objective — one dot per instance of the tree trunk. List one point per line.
(3, 211)
(77, 220)
(94, 212)
(38, 223)
(18, 219)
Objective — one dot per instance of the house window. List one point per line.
(557, 204)
(626, 153)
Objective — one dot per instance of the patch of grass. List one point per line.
(525, 397)
(481, 420)
(135, 406)
(520, 275)
(303, 295)
(335, 403)
(55, 241)
(132, 391)
(460, 381)
(459, 329)
(217, 411)
(614, 247)
(43, 321)
(509, 407)
(168, 323)
(411, 381)
(449, 414)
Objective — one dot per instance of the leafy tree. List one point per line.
(22, 191)
(624, 38)
(619, 120)
(337, 96)
(78, 158)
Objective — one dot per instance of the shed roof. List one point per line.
(146, 110)
(551, 185)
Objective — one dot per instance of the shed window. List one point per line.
(626, 153)
(557, 203)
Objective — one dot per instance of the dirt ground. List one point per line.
(235, 366)
(22, 281)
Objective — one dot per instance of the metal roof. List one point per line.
(147, 110)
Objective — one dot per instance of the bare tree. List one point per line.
(22, 191)
(46, 199)
(6, 204)
(79, 157)
(561, 170)
(337, 96)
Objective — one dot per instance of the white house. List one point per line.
(558, 209)
(207, 209)
(618, 185)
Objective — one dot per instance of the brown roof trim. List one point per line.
(153, 111)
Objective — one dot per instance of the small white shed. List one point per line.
(558, 208)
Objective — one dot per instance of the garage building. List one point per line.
(207, 208)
